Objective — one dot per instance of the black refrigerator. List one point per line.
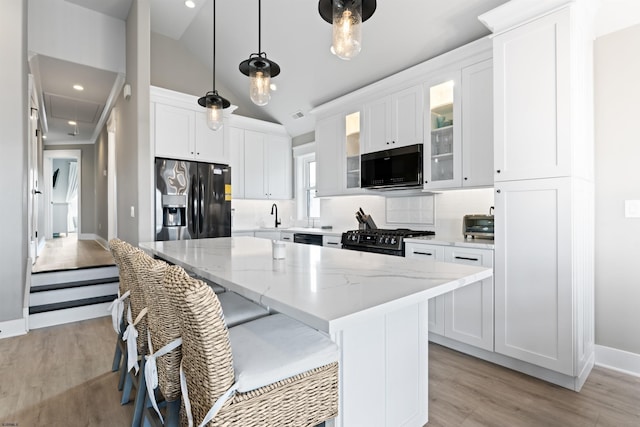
(192, 200)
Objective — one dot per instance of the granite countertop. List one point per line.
(325, 288)
(459, 241)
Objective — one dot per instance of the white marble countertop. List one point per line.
(326, 288)
(459, 241)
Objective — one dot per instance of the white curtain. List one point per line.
(72, 196)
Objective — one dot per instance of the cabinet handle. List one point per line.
(467, 258)
(286, 238)
(423, 253)
(332, 243)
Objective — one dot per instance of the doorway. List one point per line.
(63, 196)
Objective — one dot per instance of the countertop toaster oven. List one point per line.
(480, 226)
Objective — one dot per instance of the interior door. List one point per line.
(32, 205)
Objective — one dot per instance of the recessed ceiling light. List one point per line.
(44, 136)
(190, 4)
(78, 87)
(273, 86)
(72, 123)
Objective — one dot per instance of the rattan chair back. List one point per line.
(136, 298)
(162, 322)
(207, 361)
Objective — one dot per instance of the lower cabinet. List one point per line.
(332, 241)
(466, 314)
(271, 235)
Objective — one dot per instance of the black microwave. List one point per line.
(394, 168)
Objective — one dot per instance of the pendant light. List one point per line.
(213, 102)
(260, 70)
(347, 17)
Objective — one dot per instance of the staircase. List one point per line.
(65, 296)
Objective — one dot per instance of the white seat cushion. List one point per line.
(276, 347)
(238, 309)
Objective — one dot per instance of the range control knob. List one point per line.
(393, 241)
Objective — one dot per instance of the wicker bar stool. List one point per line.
(118, 307)
(164, 331)
(273, 371)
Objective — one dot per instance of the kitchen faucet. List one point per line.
(278, 222)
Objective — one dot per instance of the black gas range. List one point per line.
(381, 241)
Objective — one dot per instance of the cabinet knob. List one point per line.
(465, 178)
(426, 182)
(498, 171)
(387, 143)
(198, 154)
(393, 142)
(498, 191)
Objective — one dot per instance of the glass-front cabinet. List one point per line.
(443, 159)
(352, 146)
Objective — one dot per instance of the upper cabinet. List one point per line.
(179, 129)
(445, 103)
(261, 159)
(394, 121)
(338, 141)
(459, 153)
(532, 93)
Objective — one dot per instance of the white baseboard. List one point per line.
(618, 360)
(13, 328)
(87, 236)
(41, 243)
(102, 242)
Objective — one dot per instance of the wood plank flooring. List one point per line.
(60, 376)
(68, 253)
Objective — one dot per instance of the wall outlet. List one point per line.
(632, 208)
(133, 212)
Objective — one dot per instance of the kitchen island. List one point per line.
(373, 306)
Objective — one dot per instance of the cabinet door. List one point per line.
(210, 145)
(271, 235)
(477, 125)
(532, 90)
(286, 236)
(533, 288)
(174, 132)
(332, 241)
(329, 156)
(468, 311)
(255, 185)
(277, 150)
(443, 145)
(407, 117)
(436, 305)
(235, 137)
(377, 120)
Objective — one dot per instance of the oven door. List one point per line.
(384, 251)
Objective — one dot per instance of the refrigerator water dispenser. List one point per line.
(174, 210)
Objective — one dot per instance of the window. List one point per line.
(308, 205)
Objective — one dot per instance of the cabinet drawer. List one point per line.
(332, 241)
(420, 251)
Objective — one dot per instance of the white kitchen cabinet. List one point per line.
(287, 236)
(235, 138)
(468, 311)
(544, 216)
(267, 234)
(443, 147)
(332, 241)
(180, 129)
(428, 252)
(338, 154)
(477, 125)
(242, 233)
(267, 166)
(532, 92)
(394, 121)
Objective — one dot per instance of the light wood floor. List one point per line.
(60, 376)
(69, 253)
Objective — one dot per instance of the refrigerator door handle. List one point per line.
(201, 210)
(194, 208)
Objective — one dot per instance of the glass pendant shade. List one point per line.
(214, 113)
(259, 82)
(347, 28)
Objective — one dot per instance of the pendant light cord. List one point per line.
(259, 27)
(214, 45)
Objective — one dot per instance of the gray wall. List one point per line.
(100, 185)
(87, 183)
(13, 123)
(617, 248)
(132, 133)
(174, 67)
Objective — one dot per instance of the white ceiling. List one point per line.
(400, 34)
